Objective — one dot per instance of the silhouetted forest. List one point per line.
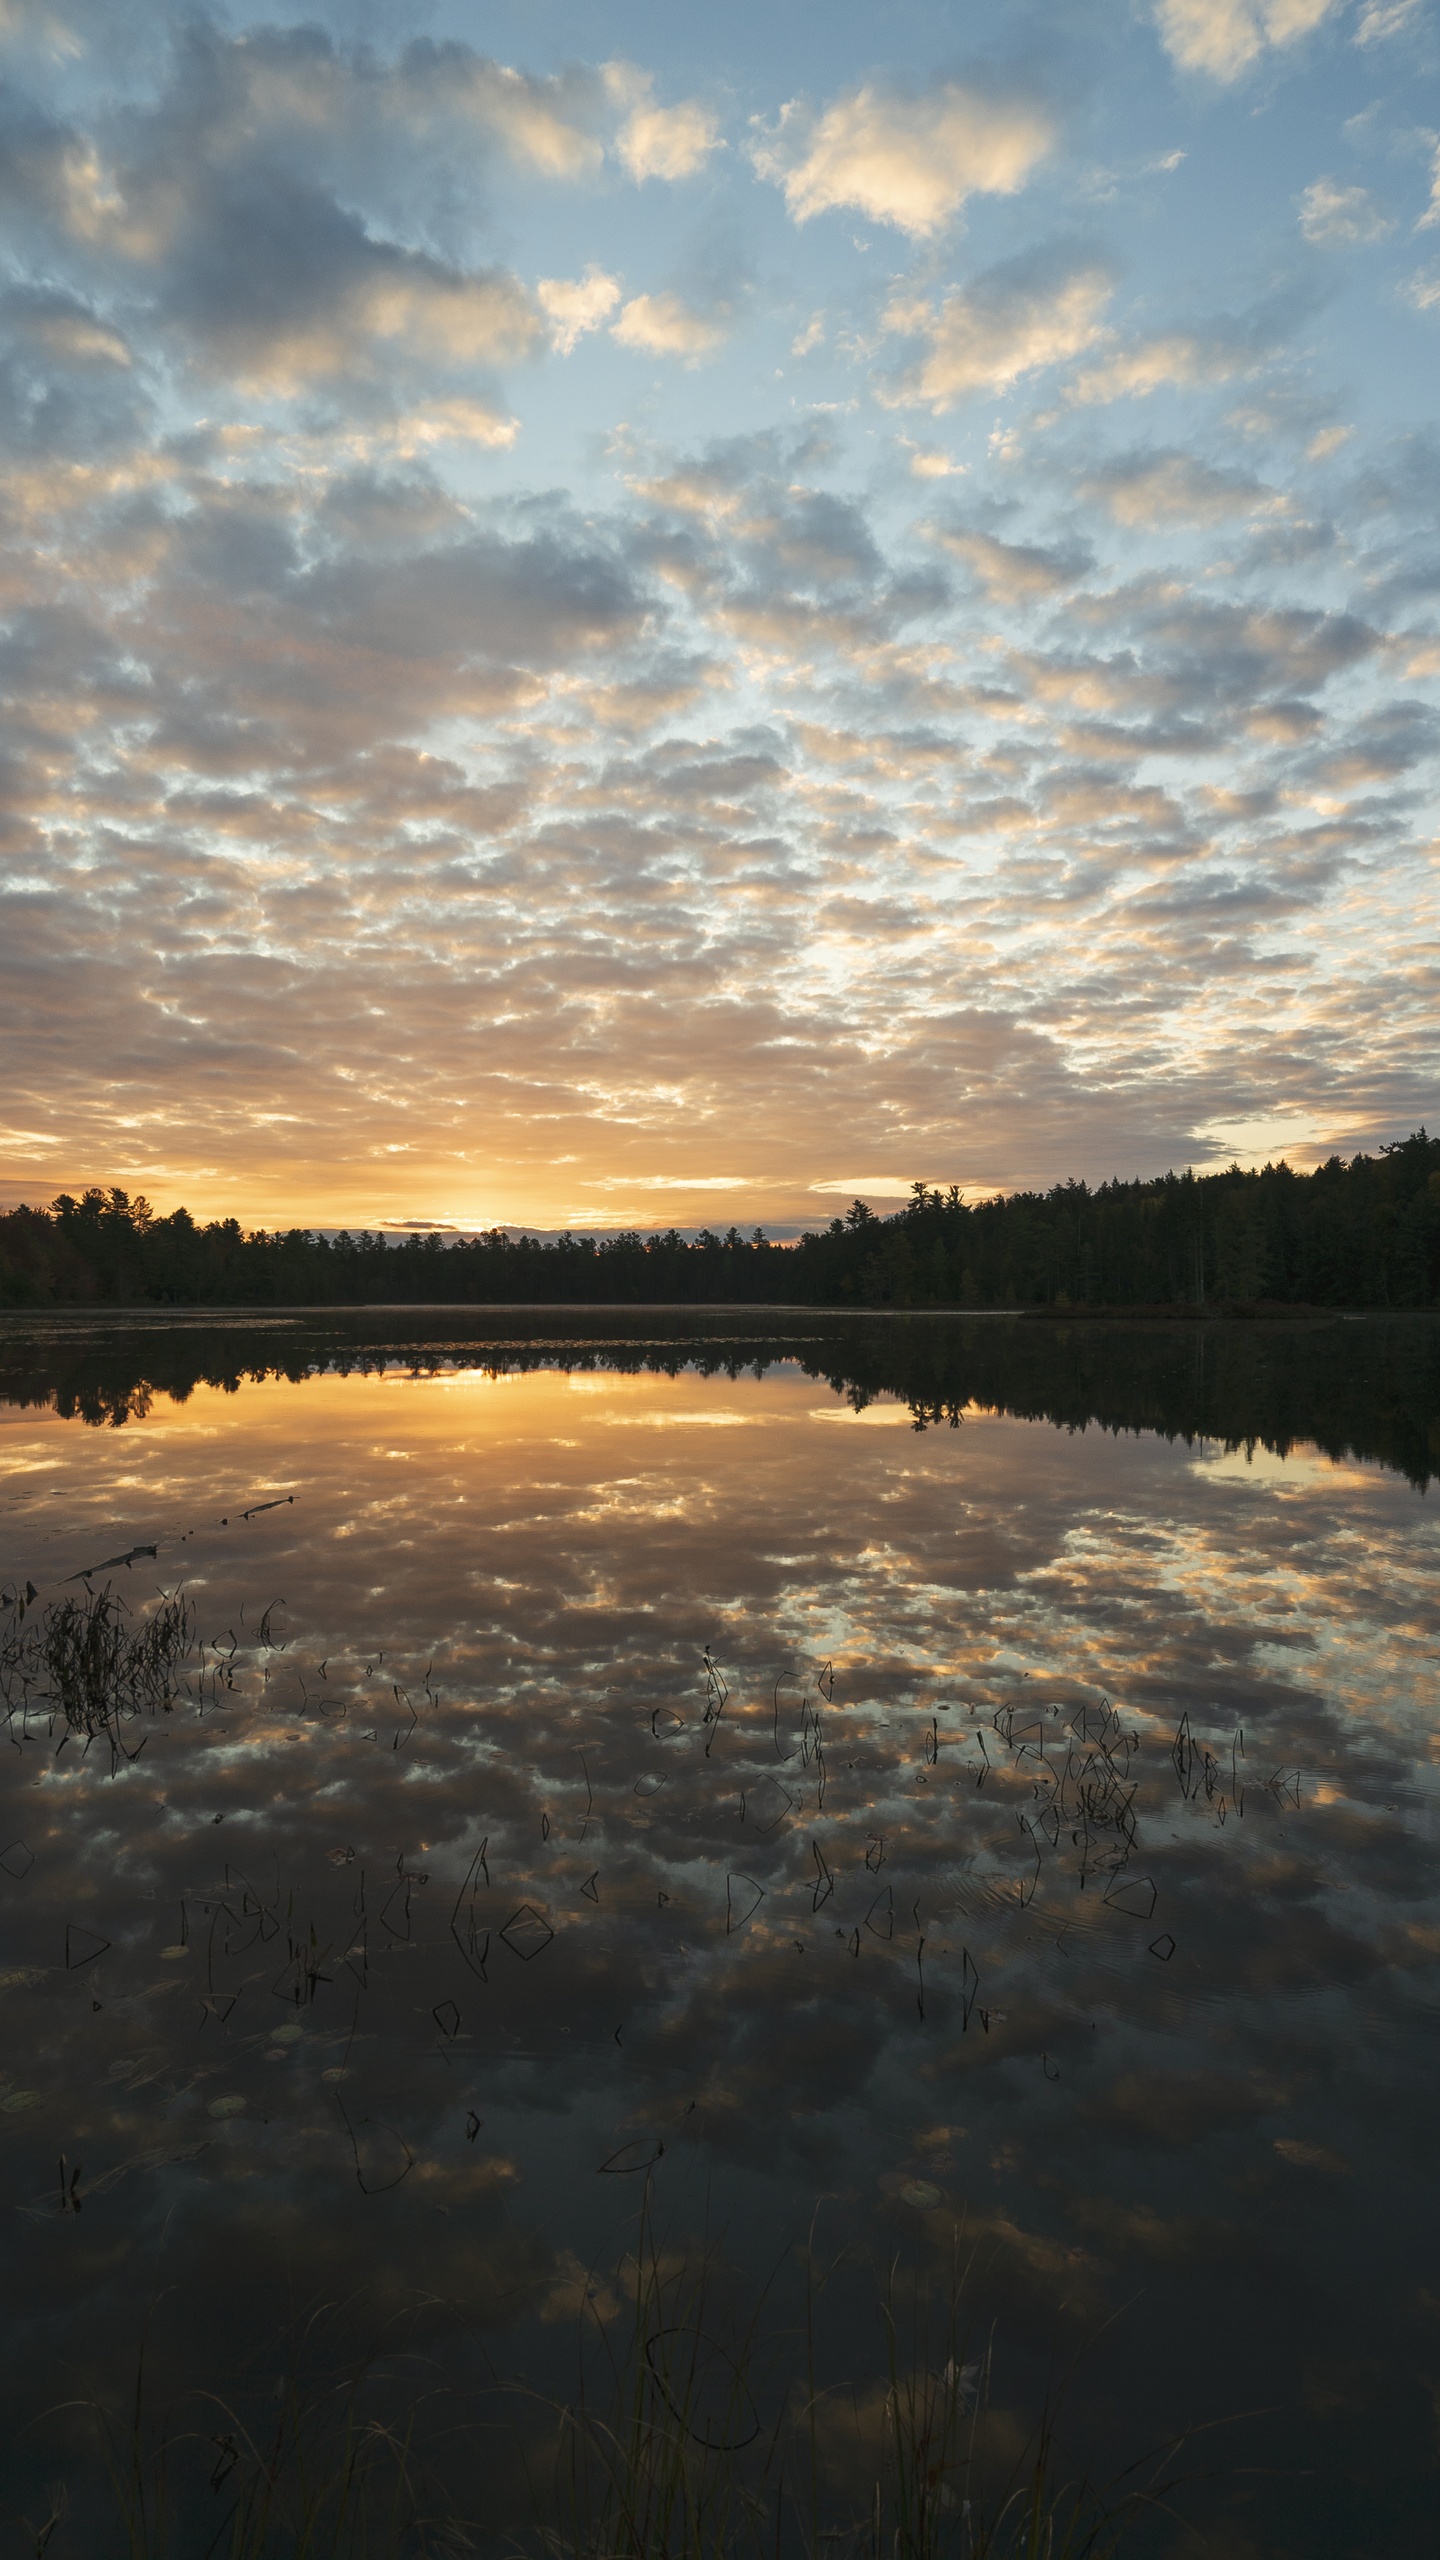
(1368, 1390)
(1360, 1234)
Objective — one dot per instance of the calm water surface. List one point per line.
(989, 1828)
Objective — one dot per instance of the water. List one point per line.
(629, 1758)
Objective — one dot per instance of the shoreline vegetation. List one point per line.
(1362, 1234)
(677, 2421)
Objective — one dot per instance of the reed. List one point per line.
(691, 2432)
(90, 1663)
(694, 2437)
(304, 2472)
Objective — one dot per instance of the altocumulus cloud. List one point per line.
(500, 714)
(910, 161)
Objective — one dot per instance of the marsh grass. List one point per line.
(694, 2436)
(91, 1663)
(306, 2469)
(696, 2429)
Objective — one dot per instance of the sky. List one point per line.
(645, 616)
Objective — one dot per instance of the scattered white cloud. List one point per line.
(1422, 289)
(1017, 319)
(910, 161)
(1170, 361)
(1386, 18)
(806, 340)
(1014, 573)
(1175, 489)
(576, 307)
(534, 119)
(1223, 38)
(662, 324)
(458, 421)
(658, 142)
(1335, 216)
(931, 462)
(1328, 441)
(1431, 215)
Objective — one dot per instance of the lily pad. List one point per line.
(173, 1955)
(920, 2193)
(19, 2101)
(222, 2107)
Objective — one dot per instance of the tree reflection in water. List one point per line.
(661, 1758)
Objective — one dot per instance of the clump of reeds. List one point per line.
(691, 2434)
(694, 2439)
(91, 1662)
(308, 2470)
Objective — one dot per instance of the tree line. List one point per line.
(1360, 1234)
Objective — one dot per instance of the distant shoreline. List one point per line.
(1346, 1238)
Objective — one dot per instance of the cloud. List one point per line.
(365, 788)
(1223, 38)
(1422, 289)
(1386, 18)
(573, 309)
(244, 209)
(1014, 572)
(1431, 215)
(1183, 358)
(280, 288)
(673, 1182)
(662, 324)
(931, 462)
(542, 122)
(297, 80)
(910, 161)
(457, 421)
(874, 1186)
(1174, 488)
(69, 385)
(658, 142)
(1179, 357)
(1016, 319)
(1333, 216)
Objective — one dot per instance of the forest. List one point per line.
(1358, 1234)
(1369, 1391)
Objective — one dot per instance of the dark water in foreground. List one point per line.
(598, 1754)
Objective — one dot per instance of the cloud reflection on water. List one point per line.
(1228, 2142)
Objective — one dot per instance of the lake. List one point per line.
(848, 1816)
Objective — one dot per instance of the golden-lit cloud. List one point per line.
(1336, 216)
(655, 141)
(454, 768)
(663, 324)
(909, 161)
(1016, 320)
(573, 309)
(1223, 38)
